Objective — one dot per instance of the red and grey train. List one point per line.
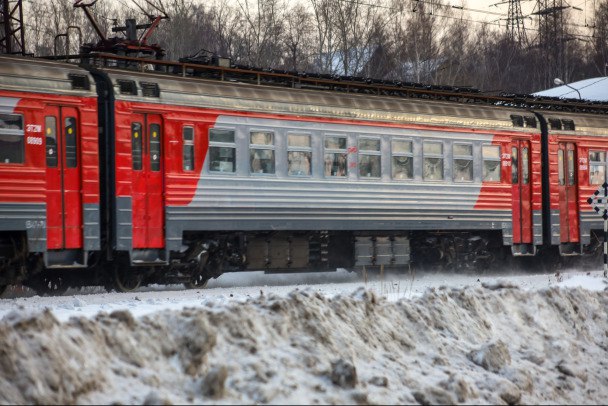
(122, 176)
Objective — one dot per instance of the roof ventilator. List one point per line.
(79, 82)
(518, 121)
(127, 86)
(149, 89)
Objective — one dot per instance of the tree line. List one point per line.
(416, 41)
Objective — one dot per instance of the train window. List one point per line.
(149, 89)
(571, 175)
(433, 161)
(79, 82)
(136, 145)
(299, 154)
(463, 162)
(403, 160)
(11, 139)
(518, 121)
(369, 158)
(127, 87)
(555, 123)
(530, 121)
(335, 156)
(491, 163)
(568, 125)
(597, 165)
(71, 143)
(261, 152)
(222, 150)
(514, 165)
(560, 167)
(525, 166)
(188, 152)
(154, 147)
(50, 124)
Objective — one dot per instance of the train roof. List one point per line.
(44, 76)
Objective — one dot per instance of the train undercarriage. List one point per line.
(207, 256)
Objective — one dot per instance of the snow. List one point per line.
(594, 89)
(314, 338)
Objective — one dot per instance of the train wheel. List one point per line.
(125, 280)
(197, 282)
(50, 285)
(3, 289)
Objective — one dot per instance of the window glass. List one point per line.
(188, 152)
(514, 166)
(571, 174)
(597, 167)
(525, 166)
(50, 125)
(402, 160)
(222, 150)
(299, 155)
(261, 138)
(335, 159)
(491, 163)
(463, 162)
(155, 137)
(71, 143)
(560, 167)
(136, 145)
(432, 168)
(12, 147)
(370, 165)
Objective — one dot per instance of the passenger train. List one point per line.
(123, 172)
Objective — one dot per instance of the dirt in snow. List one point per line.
(491, 345)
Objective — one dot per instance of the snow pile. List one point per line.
(497, 345)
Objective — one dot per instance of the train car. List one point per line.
(49, 169)
(214, 176)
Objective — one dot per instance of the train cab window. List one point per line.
(11, 139)
(335, 156)
(299, 155)
(50, 125)
(222, 150)
(136, 145)
(71, 143)
(597, 166)
(403, 160)
(491, 163)
(188, 150)
(432, 168)
(369, 158)
(261, 152)
(154, 147)
(463, 162)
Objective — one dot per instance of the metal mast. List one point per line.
(552, 36)
(12, 39)
(515, 23)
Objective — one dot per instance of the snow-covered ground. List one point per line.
(313, 338)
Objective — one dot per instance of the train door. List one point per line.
(521, 192)
(568, 195)
(148, 183)
(63, 178)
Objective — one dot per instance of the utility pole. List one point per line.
(552, 38)
(12, 36)
(515, 23)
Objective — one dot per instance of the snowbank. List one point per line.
(497, 345)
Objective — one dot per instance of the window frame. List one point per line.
(263, 147)
(470, 158)
(426, 155)
(307, 150)
(334, 151)
(222, 144)
(188, 145)
(369, 153)
(603, 164)
(497, 159)
(402, 154)
(19, 132)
